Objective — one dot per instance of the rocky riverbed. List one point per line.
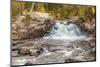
(39, 39)
(44, 51)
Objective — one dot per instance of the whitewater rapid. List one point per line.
(66, 31)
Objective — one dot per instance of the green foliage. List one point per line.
(58, 11)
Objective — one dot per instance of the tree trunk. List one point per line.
(32, 7)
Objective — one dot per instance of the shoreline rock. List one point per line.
(27, 27)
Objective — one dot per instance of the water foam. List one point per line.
(66, 31)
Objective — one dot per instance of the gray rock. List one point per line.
(76, 52)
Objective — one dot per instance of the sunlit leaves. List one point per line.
(58, 11)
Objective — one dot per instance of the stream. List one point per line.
(65, 43)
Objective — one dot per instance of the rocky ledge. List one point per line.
(31, 26)
(44, 51)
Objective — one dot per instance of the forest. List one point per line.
(58, 11)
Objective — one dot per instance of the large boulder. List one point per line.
(89, 28)
(31, 26)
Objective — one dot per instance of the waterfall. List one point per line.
(66, 31)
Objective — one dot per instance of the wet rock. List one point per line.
(52, 57)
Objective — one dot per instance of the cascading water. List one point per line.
(66, 31)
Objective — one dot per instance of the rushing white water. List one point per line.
(66, 31)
